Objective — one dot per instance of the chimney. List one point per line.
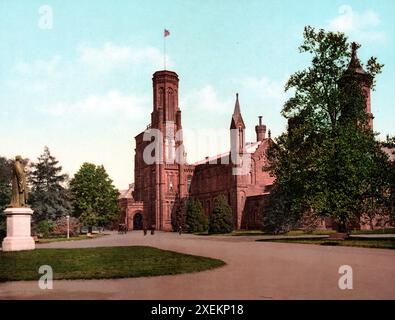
(260, 130)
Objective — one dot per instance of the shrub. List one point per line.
(179, 215)
(44, 228)
(221, 219)
(3, 230)
(196, 219)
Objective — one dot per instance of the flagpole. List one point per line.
(164, 51)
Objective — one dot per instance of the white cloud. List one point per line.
(208, 135)
(111, 103)
(264, 97)
(71, 86)
(38, 68)
(266, 88)
(36, 77)
(207, 99)
(359, 25)
(111, 61)
(111, 56)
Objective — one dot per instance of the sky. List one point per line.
(76, 76)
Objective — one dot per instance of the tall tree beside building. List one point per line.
(179, 215)
(48, 195)
(94, 198)
(221, 219)
(196, 220)
(326, 160)
(279, 214)
(389, 144)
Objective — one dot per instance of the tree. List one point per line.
(94, 198)
(196, 220)
(48, 198)
(325, 162)
(5, 183)
(278, 216)
(179, 215)
(43, 228)
(221, 219)
(389, 144)
(5, 191)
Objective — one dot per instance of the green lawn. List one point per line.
(100, 263)
(378, 231)
(64, 238)
(386, 243)
(262, 233)
(314, 232)
(297, 232)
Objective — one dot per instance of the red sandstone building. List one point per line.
(158, 187)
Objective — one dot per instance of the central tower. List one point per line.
(159, 185)
(165, 97)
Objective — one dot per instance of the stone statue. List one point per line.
(19, 187)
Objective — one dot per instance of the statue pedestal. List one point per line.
(18, 230)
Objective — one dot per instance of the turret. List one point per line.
(356, 72)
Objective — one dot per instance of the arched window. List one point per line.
(170, 181)
(189, 182)
(170, 106)
(241, 140)
(161, 95)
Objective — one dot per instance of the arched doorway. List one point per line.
(138, 221)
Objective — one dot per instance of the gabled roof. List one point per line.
(126, 194)
(250, 147)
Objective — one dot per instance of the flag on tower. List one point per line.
(166, 33)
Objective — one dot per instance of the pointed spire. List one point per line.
(237, 119)
(355, 65)
(237, 105)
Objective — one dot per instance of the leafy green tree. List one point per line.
(48, 197)
(196, 220)
(392, 191)
(5, 191)
(94, 198)
(389, 144)
(278, 216)
(5, 183)
(326, 160)
(44, 228)
(221, 219)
